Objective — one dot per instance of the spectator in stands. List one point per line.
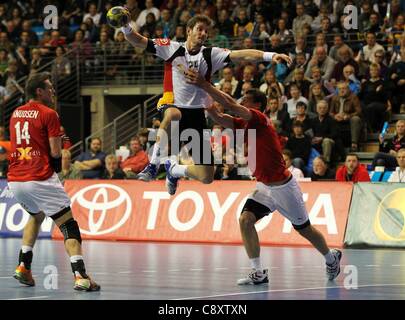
(143, 135)
(5, 42)
(227, 88)
(379, 58)
(166, 23)
(296, 97)
(350, 78)
(242, 20)
(367, 53)
(248, 77)
(296, 172)
(218, 40)
(11, 76)
(321, 170)
(91, 163)
(303, 117)
(37, 61)
(3, 163)
(137, 160)
(285, 35)
(61, 66)
(83, 47)
(389, 147)
(320, 59)
(300, 19)
(337, 44)
(396, 78)
(300, 145)
(279, 116)
(150, 8)
(315, 95)
(227, 75)
(352, 170)
(271, 87)
(300, 48)
(364, 18)
(320, 41)
(4, 59)
(112, 169)
(180, 34)
(150, 25)
(399, 174)
(346, 109)
(323, 13)
(72, 12)
(374, 97)
(23, 60)
(325, 131)
(302, 83)
(345, 58)
(225, 24)
(68, 172)
(92, 14)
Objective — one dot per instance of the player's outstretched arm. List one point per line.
(221, 97)
(134, 38)
(257, 55)
(223, 119)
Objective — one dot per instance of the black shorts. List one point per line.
(194, 134)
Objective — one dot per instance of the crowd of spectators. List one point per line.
(341, 85)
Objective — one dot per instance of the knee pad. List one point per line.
(70, 230)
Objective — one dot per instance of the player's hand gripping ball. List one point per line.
(118, 17)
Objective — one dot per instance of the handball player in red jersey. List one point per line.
(35, 158)
(276, 188)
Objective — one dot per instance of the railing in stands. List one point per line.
(115, 134)
(150, 110)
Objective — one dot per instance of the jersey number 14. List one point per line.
(22, 134)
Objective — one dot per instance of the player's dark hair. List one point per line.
(352, 155)
(37, 80)
(258, 97)
(199, 18)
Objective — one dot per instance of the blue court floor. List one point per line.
(163, 271)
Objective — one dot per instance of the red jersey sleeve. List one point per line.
(52, 124)
(238, 123)
(258, 118)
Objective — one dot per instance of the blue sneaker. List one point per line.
(149, 173)
(171, 182)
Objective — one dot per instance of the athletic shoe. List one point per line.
(333, 270)
(85, 284)
(24, 276)
(149, 173)
(171, 182)
(255, 277)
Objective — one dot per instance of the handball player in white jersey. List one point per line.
(276, 188)
(187, 102)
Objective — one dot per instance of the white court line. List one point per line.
(221, 268)
(397, 265)
(289, 290)
(29, 298)
(149, 271)
(174, 270)
(197, 269)
(372, 265)
(9, 277)
(122, 272)
(297, 267)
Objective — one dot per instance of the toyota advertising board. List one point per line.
(134, 210)
(13, 217)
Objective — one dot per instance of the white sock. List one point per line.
(179, 170)
(74, 259)
(330, 258)
(26, 249)
(256, 263)
(155, 154)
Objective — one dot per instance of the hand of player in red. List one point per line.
(192, 76)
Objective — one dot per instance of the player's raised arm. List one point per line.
(221, 97)
(257, 55)
(221, 118)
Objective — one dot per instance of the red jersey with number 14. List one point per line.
(31, 126)
(270, 166)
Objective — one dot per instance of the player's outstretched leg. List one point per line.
(257, 275)
(150, 171)
(23, 271)
(332, 256)
(71, 232)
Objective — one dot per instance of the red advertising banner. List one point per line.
(135, 210)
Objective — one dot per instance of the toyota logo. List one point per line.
(100, 203)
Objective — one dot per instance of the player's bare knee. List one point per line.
(247, 219)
